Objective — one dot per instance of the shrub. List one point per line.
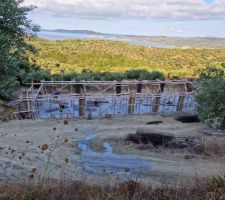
(135, 74)
(212, 72)
(210, 97)
(37, 76)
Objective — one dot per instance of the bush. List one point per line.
(157, 75)
(211, 72)
(144, 75)
(210, 95)
(7, 86)
(37, 76)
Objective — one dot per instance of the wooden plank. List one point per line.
(156, 104)
(180, 103)
(82, 102)
(131, 104)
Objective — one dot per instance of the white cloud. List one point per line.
(111, 9)
(175, 30)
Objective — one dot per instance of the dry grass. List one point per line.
(211, 147)
(129, 190)
(44, 189)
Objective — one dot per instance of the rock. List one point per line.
(156, 138)
(187, 118)
(154, 123)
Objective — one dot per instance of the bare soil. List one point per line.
(48, 148)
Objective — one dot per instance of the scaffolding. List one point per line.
(68, 99)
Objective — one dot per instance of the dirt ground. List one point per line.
(48, 149)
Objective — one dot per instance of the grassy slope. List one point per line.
(75, 55)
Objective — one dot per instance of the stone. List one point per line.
(156, 138)
(186, 118)
(154, 122)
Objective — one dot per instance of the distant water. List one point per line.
(50, 35)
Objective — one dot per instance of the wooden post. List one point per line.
(156, 103)
(82, 102)
(180, 105)
(28, 105)
(131, 104)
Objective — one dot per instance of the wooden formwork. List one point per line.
(93, 91)
(87, 87)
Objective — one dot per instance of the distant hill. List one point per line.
(72, 31)
(112, 56)
(178, 42)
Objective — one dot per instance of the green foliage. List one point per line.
(210, 95)
(14, 27)
(7, 86)
(144, 75)
(38, 75)
(78, 56)
(212, 72)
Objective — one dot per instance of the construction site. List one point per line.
(69, 99)
(98, 131)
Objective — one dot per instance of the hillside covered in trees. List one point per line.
(76, 56)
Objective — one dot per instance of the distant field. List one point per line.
(196, 42)
(100, 56)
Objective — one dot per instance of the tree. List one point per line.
(15, 28)
(212, 72)
(210, 96)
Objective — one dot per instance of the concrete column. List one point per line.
(82, 102)
(180, 105)
(131, 104)
(156, 103)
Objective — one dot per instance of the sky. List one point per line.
(184, 18)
